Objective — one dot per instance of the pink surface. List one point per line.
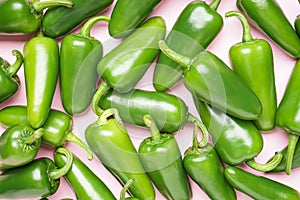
(169, 10)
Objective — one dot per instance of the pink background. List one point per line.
(169, 10)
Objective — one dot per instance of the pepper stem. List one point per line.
(39, 6)
(86, 28)
(202, 127)
(293, 139)
(108, 113)
(155, 134)
(37, 134)
(274, 162)
(195, 137)
(97, 96)
(14, 68)
(59, 172)
(71, 137)
(125, 188)
(247, 36)
(214, 4)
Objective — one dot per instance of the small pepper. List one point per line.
(9, 81)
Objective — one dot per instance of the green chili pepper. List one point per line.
(204, 166)
(41, 63)
(127, 15)
(195, 28)
(9, 81)
(252, 60)
(211, 80)
(125, 65)
(37, 179)
(108, 139)
(59, 21)
(19, 145)
(162, 161)
(267, 16)
(259, 187)
(297, 25)
(23, 16)
(79, 56)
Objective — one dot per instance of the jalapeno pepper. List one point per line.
(21, 16)
(195, 28)
(259, 187)
(79, 56)
(37, 179)
(162, 161)
(9, 81)
(297, 25)
(211, 80)
(59, 21)
(125, 65)
(267, 16)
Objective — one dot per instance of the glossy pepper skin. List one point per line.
(195, 28)
(268, 189)
(79, 57)
(19, 145)
(126, 64)
(109, 140)
(21, 16)
(41, 66)
(37, 179)
(59, 21)
(127, 15)
(162, 161)
(208, 78)
(267, 16)
(9, 81)
(252, 60)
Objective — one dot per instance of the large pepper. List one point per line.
(267, 16)
(79, 56)
(211, 80)
(109, 140)
(127, 15)
(59, 21)
(162, 161)
(41, 66)
(9, 81)
(25, 16)
(252, 60)
(195, 28)
(126, 64)
(37, 179)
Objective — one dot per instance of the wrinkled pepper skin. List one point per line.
(268, 189)
(297, 25)
(127, 15)
(126, 64)
(41, 66)
(59, 21)
(195, 28)
(267, 16)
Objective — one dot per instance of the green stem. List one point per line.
(125, 188)
(39, 6)
(97, 96)
(14, 68)
(155, 134)
(103, 118)
(214, 4)
(274, 162)
(202, 127)
(86, 28)
(59, 172)
(290, 152)
(37, 134)
(195, 137)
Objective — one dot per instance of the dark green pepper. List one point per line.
(9, 81)
(297, 25)
(126, 64)
(208, 78)
(267, 16)
(37, 179)
(109, 140)
(79, 56)
(195, 28)
(162, 161)
(59, 21)
(252, 60)
(259, 187)
(25, 16)
(19, 145)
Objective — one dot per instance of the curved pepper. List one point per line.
(79, 56)
(23, 16)
(59, 21)
(267, 16)
(297, 25)
(162, 161)
(109, 140)
(9, 81)
(252, 60)
(211, 80)
(37, 179)
(195, 28)
(126, 64)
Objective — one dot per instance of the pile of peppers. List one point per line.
(236, 103)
